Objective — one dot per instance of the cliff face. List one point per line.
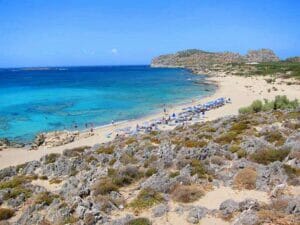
(197, 58)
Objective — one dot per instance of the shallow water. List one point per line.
(33, 101)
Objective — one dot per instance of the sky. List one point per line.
(132, 32)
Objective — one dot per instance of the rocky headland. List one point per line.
(255, 62)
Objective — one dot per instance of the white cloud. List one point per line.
(114, 51)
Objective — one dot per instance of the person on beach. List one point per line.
(113, 122)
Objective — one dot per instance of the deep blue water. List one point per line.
(33, 101)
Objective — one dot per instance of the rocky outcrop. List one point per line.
(5, 143)
(56, 138)
(262, 55)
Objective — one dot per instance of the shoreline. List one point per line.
(241, 90)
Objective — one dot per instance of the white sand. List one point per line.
(241, 90)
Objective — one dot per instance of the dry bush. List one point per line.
(279, 204)
(75, 152)
(128, 159)
(186, 194)
(218, 160)
(245, 179)
(275, 217)
(6, 213)
(104, 186)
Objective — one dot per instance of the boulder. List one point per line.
(196, 214)
(247, 217)
(249, 203)
(160, 210)
(228, 207)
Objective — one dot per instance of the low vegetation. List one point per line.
(245, 179)
(198, 168)
(146, 199)
(106, 149)
(139, 221)
(187, 194)
(104, 187)
(45, 198)
(280, 102)
(274, 137)
(51, 158)
(6, 213)
(266, 156)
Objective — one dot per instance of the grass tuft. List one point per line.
(146, 199)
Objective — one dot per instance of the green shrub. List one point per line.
(275, 137)
(280, 102)
(6, 213)
(241, 153)
(130, 140)
(194, 144)
(267, 156)
(150, 172)
(227, 138)
(146, 199)
(174, 174)
(112, 161)
(234, 148)
(104, 186)
(139, 221)
(55, 181)
(14, 182)
(43, 177)
(106, 150)
(239, 127)
(51, 158)
(15, 192)
(126, 176)
(198, 168)
(45, 198)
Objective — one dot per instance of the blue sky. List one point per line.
(112, 32)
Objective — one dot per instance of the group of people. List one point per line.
(188, 114)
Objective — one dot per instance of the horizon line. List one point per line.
(68, 66)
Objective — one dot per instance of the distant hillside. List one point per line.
(255, 62)
(198, 58)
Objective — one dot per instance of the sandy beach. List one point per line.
(241, 90)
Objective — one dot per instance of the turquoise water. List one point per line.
(33, 101)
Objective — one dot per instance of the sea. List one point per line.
(35, 100)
